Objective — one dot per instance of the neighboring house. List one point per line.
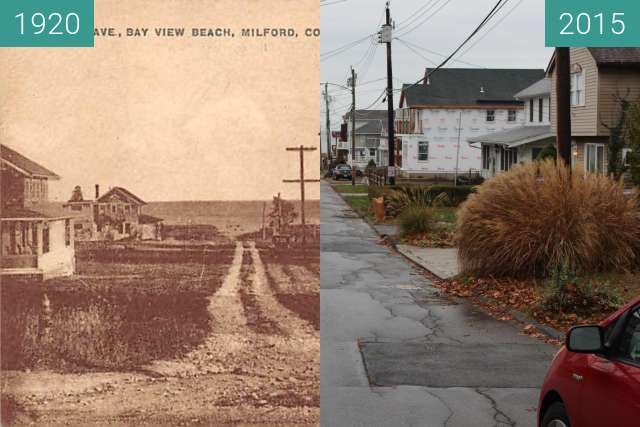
(115, 215)
(600, 78)
(502, 150)
(36, 236)
(371, 126)
(436, 118)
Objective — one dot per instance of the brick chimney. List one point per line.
(97, 191)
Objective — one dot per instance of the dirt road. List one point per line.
(240, 375)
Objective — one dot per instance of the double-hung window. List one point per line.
(594, 158)
(577, 86)
(423, 151)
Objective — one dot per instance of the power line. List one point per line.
(433, 52)
(404, 32)
(492, 28)
(489, 16)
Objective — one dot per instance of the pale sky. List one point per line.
(516, 42)
(171, 119)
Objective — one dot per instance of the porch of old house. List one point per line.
(27, 247)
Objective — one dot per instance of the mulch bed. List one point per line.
(500, 296)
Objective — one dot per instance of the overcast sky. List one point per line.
(517, 41)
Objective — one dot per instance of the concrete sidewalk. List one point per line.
(442, 262)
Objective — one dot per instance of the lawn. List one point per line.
(348, 188)
(360, 204)
(445, 214)
(110, 317)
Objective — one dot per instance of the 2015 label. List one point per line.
(582, 23)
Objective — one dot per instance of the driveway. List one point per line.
(395, 352)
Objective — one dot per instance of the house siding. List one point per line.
(615, 84)
(584, 119)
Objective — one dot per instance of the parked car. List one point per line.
(342, 172)
(594, 380)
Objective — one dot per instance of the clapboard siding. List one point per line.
(614, 85)
(584, 119)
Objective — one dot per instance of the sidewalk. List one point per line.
(442, 262)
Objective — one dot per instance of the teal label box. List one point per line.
(46, 23)
(592, 23)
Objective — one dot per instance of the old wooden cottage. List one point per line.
(36, 236)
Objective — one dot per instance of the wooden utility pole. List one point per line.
(302, 182)
(353, 126)
(326, 102)
(563, 103)
(264, 227)
(386, 38)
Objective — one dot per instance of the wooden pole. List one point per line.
(563, 100)
(302, 182)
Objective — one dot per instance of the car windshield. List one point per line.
(344, 168)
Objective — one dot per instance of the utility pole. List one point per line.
(326, 101)
(353, 126)
(563, 103)
(386, 37)
(302, 182)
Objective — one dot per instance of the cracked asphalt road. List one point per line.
(394, 352)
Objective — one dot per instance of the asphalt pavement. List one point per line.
(395, 352)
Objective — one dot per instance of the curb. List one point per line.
(516, 314)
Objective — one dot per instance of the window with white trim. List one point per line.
(513, 115)
(491, 115)
(594, 158)
(423, 151)
(577, 86)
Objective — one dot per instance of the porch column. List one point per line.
(39, 239)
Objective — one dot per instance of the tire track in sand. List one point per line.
(288, 321)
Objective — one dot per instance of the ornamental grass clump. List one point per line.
(540, 216)
(415, 219)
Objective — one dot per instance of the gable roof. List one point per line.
(539, 88)
(367, 115)
(469, 86)
(612, 57)
(616, 56)
(370, 127)
(123, 193)
(24, 165)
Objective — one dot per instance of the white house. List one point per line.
(436, 118)
(501, 150)
(371, 130)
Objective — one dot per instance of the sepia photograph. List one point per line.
(160, 222)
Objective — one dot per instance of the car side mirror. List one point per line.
(585, 339)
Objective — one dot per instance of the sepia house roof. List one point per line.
(24, 165)
(123, 194)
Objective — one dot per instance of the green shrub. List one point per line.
(400, 197)
(538, 217)
(415, 219)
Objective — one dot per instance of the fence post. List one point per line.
(44, 324)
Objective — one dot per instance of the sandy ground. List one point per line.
(236, 377)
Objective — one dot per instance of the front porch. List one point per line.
(36, 246)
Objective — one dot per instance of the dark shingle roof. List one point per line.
(468, 86)
(616, 56)
(370, 127)
(123, 192)
(24, 165)
(367, 115)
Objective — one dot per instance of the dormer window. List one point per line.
(577, 86)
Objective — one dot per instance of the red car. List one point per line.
(594, 380)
